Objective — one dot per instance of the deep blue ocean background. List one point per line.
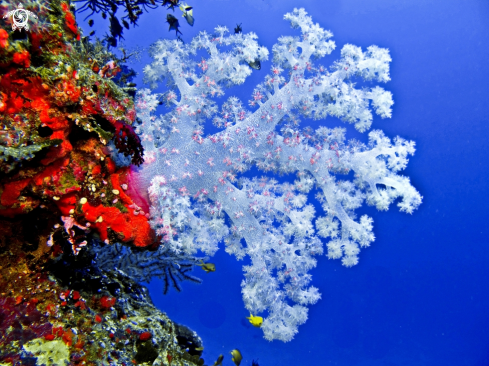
(419, 295)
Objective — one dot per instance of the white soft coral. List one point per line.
(197, 198)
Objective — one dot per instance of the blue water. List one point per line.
(419, 295)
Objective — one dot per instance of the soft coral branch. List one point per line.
(197, 198)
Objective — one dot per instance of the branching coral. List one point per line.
(197, 198)
(141, 266)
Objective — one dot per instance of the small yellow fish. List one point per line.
(199, 349)
(188, 13)
(208, 267)
(236, 356)
(185, 7)
(219, 360)
(256, 321)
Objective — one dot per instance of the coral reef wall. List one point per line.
(60, 110)
(66, 149)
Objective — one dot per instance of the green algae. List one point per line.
(25, 152)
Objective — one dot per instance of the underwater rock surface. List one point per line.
(66, 144)
(70, 310)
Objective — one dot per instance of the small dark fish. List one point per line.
(238, 29)
(92, 33)
(254, 363)
(125, 23)
(170, 19)
(255, 64)
(104, 15)
(219, 360)
(90, 22)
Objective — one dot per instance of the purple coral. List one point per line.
(20, 322)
